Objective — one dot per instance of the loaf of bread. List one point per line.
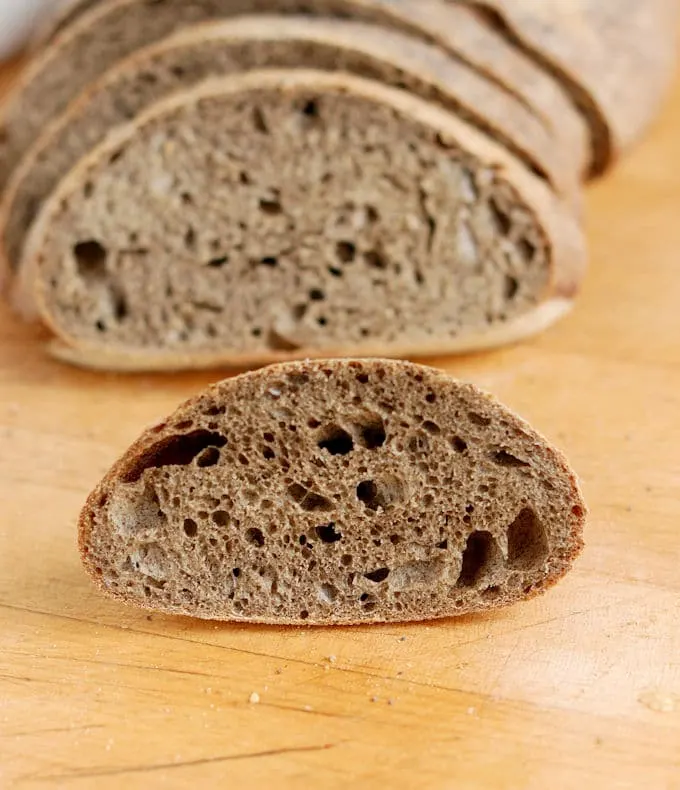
(334, 492)
(101, 35)
(261, 41)
(616, 58)
(280, 214)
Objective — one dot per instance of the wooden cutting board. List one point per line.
(580, 688)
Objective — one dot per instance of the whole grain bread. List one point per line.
(334, 492)
(261, 41)
(112, 29)
(279, 214)
(616, 58)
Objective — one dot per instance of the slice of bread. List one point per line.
(334, 492)
(262, 41)
(616, 58)
(112, 29)
(280, 214)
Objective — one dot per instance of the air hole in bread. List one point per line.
(311, 108)
(218, 263)
(328, 534)
(209, 457)
(527, 542)
(317, 295)
(375, 259)
(501, 219)
(511, 287)
(277, 342)
(90, 257)
(270, 206)
(431, 427)
(269, 260)
(378, 576)
(190, 527)
(345, 251)
(328, 593)
(527, 249)
(372, 432)
(481, 557)
(259, 121)
(336, 440)
(504, 458)
(255, 536)
(179, 450)
(308, 500)
(479, 419)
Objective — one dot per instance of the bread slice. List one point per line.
(269, 41)
(112, 29)
(279, 214)
(334, 492)
(616, 58)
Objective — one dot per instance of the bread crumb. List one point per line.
(390, 701)
(660, 701)
(308, 708)
(208, 691)
(278, 671)
(471, 711)
(374, 699)
(274, 392)
(402, 638)
(332, 659)
(254, 698)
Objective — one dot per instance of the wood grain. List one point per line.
(578, 688)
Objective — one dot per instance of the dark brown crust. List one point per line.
(559, 226)
(122, 469)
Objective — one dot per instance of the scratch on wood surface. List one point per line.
(97, 772)
(291, 660)
(49, 730)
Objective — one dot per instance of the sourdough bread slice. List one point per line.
(113, 29)
(243, 43)
(616, 58)
(278, 214)
(334, 492)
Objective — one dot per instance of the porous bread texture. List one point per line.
(334, 492)
(292, 212)
(111, 30)
(261, 41)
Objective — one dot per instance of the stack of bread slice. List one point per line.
(218, 182)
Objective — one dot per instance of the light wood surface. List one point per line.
(580, 688)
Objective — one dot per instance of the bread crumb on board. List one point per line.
(660, 701)
(254, 698)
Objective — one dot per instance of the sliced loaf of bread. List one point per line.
(244, 43)
(112, 29)
(280, 214)
(616, 58)
(334, 492)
